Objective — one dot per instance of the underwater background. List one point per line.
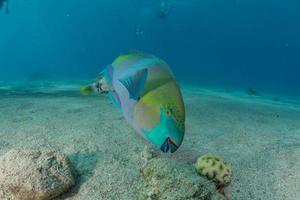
(235, 44)
(235, 116)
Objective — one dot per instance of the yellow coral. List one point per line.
(215, 169)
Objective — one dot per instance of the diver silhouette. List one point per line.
(1, 5)
(164, 9)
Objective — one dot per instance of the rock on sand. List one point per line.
(168, 179)
(34, 175)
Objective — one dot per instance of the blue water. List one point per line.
(220, 43)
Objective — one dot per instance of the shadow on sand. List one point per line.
(84, 164)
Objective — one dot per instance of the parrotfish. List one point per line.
(145, 90)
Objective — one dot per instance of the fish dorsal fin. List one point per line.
(135, 83)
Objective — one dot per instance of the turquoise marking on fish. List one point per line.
(135, 83)
(164, 135)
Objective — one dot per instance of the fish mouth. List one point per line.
(169, 145)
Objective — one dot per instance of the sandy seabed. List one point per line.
(260, 138)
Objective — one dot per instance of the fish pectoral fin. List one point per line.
(135, 83)
(115, 99)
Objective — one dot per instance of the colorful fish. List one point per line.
(144, 89)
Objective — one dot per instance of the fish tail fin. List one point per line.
(87, 90)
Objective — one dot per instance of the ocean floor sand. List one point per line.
(259, 138)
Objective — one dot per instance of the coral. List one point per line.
(215, 169)
(148, 153)
(171, 180)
